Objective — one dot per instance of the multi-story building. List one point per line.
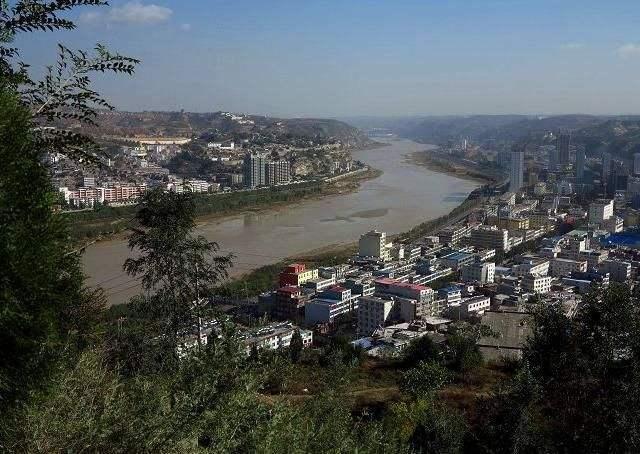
(453, 234)
(509, 223)
(424, 296)
(564, 267)
(482, 273)
(374, 244)
(517, 170)
(296, 275)
(114, 194)
(593, 258)
(536, 284)
(636, 164)
(360, 287)
(539, 267)
(618, 270)
(451, 294)
(320, 284)
(490, 238)
(474, 306)
(614, 224)
(255, 165)
(562, 148)
(600, 210)
(456, 260)
(195, 186)
(373, 313)
(277, 172)
(289, 303)
(580, 164)
(329, 304)
(275, 336)
(606, 167)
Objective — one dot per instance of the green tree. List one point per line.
(578, 388)
(425, 426)
(177, 268)
(424, 379)
(45, 313)
(421, 349)
(40, 278)
(296, 346)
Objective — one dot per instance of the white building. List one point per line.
(474, 306)
(374, 244)
(614, 224)
(373, 313)
(536, 284)
(532, 266)
(483, 273)
(600, 211)
(275, 336)
(329, 305)
(517, 171)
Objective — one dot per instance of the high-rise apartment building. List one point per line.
(255, 169)
(517, 170)
(562, 147)
(260, 170)
(580, 163)
(606, 167)
(277, 172)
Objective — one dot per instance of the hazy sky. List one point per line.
(367, 57)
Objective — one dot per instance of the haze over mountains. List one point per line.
(619, 135)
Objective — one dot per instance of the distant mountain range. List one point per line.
(619, 135)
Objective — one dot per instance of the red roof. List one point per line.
(386, 281)
(289, 289)
(389, 281)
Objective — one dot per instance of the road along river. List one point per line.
(405, 195)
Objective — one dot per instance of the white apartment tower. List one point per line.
(517, 170)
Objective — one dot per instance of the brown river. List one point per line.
(405, 195)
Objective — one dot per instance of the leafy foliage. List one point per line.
(65, 91)
(176, 267)
(424, 379)
(43, 307)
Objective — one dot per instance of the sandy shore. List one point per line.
(424, 158)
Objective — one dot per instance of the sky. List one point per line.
(339, 58)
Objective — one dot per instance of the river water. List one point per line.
(404, 196)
